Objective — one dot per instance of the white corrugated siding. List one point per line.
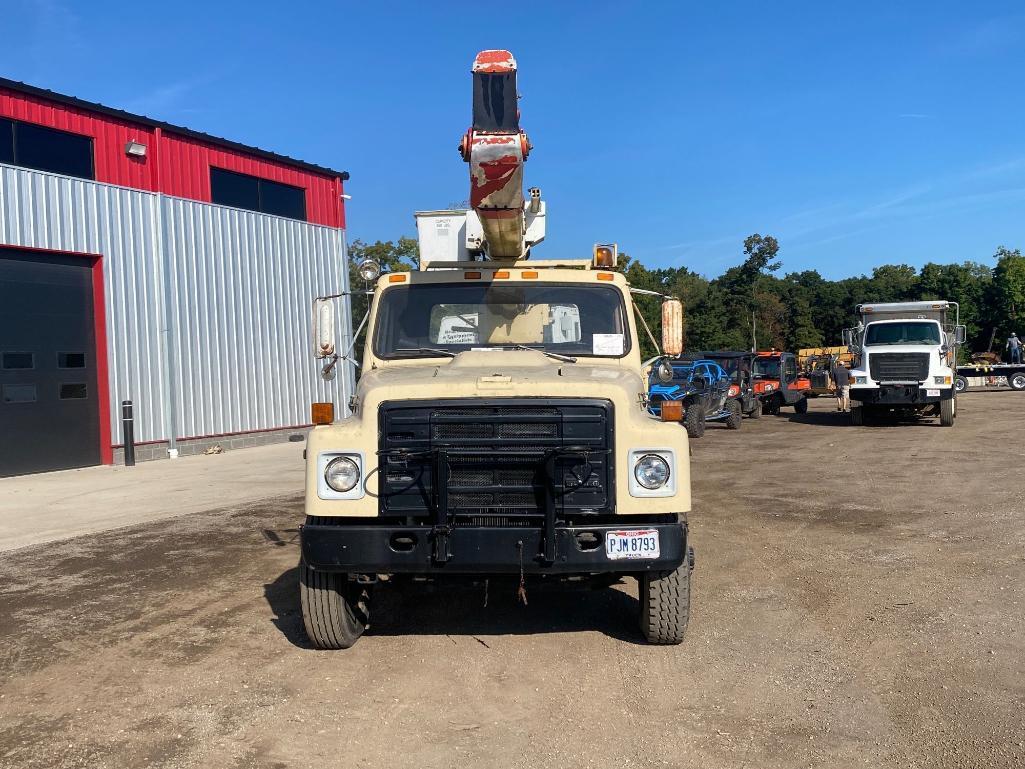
(242, 286)
(239, 288)
(42, 210)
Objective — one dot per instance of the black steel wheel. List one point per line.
(665, 605)
(335, 609)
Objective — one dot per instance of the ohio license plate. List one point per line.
(638, 543)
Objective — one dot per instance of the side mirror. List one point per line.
(664, 371)
(960, 334)
(323, 328)
(672, 327)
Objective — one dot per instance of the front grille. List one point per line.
(497, 458)
(899, 366)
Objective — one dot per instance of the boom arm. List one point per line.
(496, 150)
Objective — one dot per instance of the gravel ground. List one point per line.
(857, 602)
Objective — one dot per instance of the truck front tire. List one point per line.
(857, 415)
(947, 412)
(334, 608)
(665, 604)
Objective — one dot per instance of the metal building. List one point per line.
(147, 262)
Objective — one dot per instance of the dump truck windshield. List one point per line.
(432, 320)
(911, 332)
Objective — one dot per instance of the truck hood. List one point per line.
(508, 373)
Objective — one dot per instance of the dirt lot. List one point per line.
(858, 602)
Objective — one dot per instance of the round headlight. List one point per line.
(341, 474)
(651, 471)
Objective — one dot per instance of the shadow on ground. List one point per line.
(457, 609)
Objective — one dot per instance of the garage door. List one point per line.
(49, 404)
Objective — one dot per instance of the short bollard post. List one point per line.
(128, 430)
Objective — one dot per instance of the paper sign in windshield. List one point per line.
(607, 344)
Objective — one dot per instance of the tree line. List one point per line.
(752, 304)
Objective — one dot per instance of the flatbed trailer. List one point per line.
(1015, 373)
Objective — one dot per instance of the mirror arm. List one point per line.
(646, 292)
(644, 323)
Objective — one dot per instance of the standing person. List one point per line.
(842, 382)
(1014, 346)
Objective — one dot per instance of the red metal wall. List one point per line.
(184, 163)
(185, 172)
(109, 137)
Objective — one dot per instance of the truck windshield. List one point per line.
(910, 332)
(431, 320)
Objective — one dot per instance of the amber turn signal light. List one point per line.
(322, 413)
(672, 411)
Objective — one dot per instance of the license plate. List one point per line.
(932, 393)
(642, 543)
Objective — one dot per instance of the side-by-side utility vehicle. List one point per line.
(701, 387)
(740, 366)
(906, 356)
(499, 432)
(778, 382)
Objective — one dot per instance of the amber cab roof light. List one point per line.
(606, 255)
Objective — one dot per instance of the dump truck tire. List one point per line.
(801, 407)
(947, 412)
(857, 416)
(665, 605)
(334, 608)
(694, 421)
(736, 418)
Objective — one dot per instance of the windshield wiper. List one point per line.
(553, 355)
(435, 350)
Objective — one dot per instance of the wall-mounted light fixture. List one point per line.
(135, 149)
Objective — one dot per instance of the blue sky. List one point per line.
(872, 133)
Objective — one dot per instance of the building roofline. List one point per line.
(72, 101)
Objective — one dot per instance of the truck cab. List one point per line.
(499, 429)
(906, 356)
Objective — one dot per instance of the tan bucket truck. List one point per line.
(498, 433)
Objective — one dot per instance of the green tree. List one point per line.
(393, 257)
(1009, 289)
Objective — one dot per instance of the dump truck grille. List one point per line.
(498, 462)
(899, 366)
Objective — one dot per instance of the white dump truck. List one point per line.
(499, 432)
(905, 358)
